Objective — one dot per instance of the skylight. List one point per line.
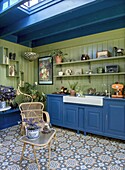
(31, 3)
(7, 3)
(29, 6)
(32, 6)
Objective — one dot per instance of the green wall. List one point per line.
(86, 45)
(24, 65)
(75, 48)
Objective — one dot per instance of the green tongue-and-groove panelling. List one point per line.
(86, 45)
(24, 65)
(75, 48)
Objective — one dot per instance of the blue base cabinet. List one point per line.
(9, 118)
(55, 109)
(114, 118)
(107, 120)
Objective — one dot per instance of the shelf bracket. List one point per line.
(89, 65)
(89, 79)
(61, 80)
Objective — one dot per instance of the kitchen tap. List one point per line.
(108, 92)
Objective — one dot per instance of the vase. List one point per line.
(32, 133)
(3, 104)
(58, 59)
(72, 93)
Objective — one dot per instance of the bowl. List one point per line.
(31, 56)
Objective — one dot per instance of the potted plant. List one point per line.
(7, 95)
(32, 129)
(32, 91)
(73, 88)
(58, 54)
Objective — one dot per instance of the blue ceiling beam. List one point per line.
(43, 15)
(11, 38)
(53, 25)
(81, 31)
(86, 20)
(59, 9)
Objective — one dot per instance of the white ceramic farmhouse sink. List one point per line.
(90, 100)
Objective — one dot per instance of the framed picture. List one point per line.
(45, 70)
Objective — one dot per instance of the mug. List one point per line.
(60, 73)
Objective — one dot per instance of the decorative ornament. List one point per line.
(31, 56)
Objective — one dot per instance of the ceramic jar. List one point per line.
(3, 104)
(32, 133)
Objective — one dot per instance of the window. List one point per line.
(30, 3)
(36, 5)
(13, 2)
(5, 5)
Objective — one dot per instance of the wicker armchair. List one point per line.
(35, 111)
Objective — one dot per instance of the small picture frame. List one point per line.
(45, 70)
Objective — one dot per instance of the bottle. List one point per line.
(6, 60)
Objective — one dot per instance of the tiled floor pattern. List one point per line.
(74, 152)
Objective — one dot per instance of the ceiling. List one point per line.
(65, 20)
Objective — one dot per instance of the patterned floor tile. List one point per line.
(73, 152)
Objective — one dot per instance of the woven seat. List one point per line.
(34, 111)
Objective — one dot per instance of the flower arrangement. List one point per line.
(7, 93)
(7, 96)
(31, 124)
(32, 129)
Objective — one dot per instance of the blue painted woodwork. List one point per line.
(84, 118)
(108, 120)
(81, 118)
(80, 23)
(70, 116)
(80, 31)
(84, 20)
(55, 109)
(94, 119)
(11, 7)
(114, 118)
(9, 118)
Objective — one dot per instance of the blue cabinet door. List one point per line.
(55, 109)
(9, 118)
(70, 116)
(94, 120)
(115, 118)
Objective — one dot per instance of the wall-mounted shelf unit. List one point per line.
(4, 58)
(90, 65)
(12, 70)
(85, 75)
(91, 60)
